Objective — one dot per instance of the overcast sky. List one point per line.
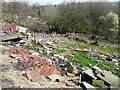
(44, 2)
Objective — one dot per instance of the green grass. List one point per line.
(110, 66)
(111, 50)
(75, 44)
(33, 46)
(82, 59)
(57, 51)
(104, 65)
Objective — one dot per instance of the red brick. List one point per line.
(46, 69)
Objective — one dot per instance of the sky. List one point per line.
(44, 2)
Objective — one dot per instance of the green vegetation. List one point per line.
(107, 65)
(110, 66)
(75, 44)
(32, 46)
(98, 83)
(111, 50)
(96, 18)
(86, 18)
(82, 59)
(57, 51)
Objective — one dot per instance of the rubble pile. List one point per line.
(47, 63)
(26, 60)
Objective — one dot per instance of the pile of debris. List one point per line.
(96, 74)
(31, 64)
(9, 26)
(55, 67)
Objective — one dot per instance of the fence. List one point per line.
(47, 36)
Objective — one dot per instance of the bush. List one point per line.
(98, 83)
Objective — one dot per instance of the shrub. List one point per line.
(98, 83)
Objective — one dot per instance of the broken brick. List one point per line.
(29, 61)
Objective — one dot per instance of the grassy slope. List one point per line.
(84, 60)
(110, 50)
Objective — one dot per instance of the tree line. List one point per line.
(96, 18)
